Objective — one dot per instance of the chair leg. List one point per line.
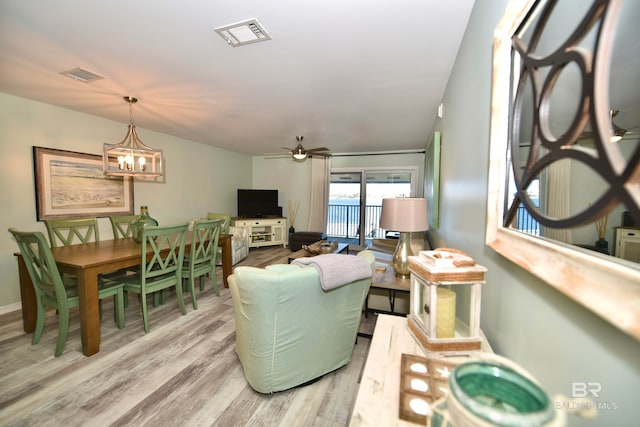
(192, 289)
(41, 317)
(145, 314)
(180, 299)
(118, 309)
(63, 330)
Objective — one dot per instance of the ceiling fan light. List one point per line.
(299, 155)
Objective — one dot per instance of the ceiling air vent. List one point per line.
(82, 75)
(242, 33)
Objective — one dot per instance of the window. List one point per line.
(354, 201)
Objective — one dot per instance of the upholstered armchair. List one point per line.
(239, 241)
(289, 330)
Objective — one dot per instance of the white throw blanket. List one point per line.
(337, 270)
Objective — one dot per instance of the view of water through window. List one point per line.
(344, 216)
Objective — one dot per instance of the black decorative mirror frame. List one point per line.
(608, 286)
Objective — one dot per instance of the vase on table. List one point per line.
(138, 224)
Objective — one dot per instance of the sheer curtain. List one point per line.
(558, 192)
(318, 205)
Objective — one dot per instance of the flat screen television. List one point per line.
(258, 203)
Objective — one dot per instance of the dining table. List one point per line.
(87, 261)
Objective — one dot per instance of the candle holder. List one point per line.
(445, 300)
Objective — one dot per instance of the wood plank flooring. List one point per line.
(184, 372)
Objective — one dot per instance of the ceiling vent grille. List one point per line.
(82, 75)
(242, 33)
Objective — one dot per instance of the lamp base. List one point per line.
(401, 255)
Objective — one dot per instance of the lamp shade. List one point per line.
(404, 214)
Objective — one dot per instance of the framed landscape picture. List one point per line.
(70, 185)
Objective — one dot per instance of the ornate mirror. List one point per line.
(564, 173)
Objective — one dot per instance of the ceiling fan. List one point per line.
(300, 153)
(618, 131)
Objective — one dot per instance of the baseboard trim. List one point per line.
(11, 307)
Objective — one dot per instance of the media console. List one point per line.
(267, 231)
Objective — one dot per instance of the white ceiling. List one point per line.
(351, 75)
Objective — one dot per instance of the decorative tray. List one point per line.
(447, 258)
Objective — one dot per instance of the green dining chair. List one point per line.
(225, 228)
(202, 257)
(54, 292)
(121, 225)
(161, 264)
(63, 232)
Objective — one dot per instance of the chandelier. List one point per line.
(131, 157)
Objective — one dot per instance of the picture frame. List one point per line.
(70, 184)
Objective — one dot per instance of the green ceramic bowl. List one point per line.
(500, 395)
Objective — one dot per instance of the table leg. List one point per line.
(89, 311)
(226, 260)
(27, 297)
(392, 300)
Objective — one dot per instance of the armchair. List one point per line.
(288, 329)
(239, 241)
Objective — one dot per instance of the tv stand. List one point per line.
(264, 231)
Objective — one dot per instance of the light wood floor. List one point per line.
(184, 372)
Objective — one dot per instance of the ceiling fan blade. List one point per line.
(313, 150)
(276, 156)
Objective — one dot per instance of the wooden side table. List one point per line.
(378, 399)
(385, 278)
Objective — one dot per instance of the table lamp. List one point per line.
(404, 215)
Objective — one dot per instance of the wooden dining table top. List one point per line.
(94, 254)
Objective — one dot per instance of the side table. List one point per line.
(378, 399)
(385, 278)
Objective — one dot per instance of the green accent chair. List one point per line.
(160, 265)
(121, 225)
(202, 257)
(289, 330)
(51, 291)
(64, 232)
(225, 217)
(225, 230)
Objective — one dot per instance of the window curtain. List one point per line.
(318, 205)
(558, 198)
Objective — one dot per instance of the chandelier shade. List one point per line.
(131, 157)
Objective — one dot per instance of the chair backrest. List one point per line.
(42, 268)
(204, 243)
(121, 225)
(225, 217)
(63, 232)
(163, 251)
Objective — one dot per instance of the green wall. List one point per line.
(555, 339)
